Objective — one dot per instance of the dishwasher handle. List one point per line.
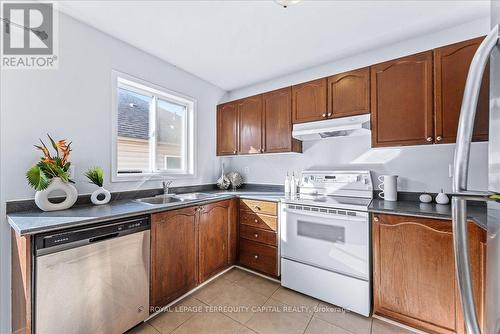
(104, 237)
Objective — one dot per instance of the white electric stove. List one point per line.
(325, 238)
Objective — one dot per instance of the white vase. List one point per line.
(101, 191)
(56, 184)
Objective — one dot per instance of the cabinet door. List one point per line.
(349, 93)
(173, 255)
(277, 109)
(227, 129)
(451, 67)
(309, 101)
(250, 115)
(414, 272)
(402, 101)
(213, 238)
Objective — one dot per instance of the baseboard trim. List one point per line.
(395, 323)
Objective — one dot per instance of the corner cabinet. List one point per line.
(451, 66)
(190, 245)
(402, 101)
(414, 272)
(257, 124)
(349, 93)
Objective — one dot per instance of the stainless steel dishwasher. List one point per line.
(92, 279)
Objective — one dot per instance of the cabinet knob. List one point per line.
(329, 114)
(375, 219)
(261, 150)
(256, 257)
(234, 152)
(324, 115)
(256, 221)
(439, 138)
(257, 208)
(429, 139)
(256, 235)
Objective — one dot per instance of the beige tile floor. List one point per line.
(241, 302)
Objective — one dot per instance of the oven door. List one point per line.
(336, 240)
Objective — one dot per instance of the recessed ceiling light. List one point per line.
(286, 3)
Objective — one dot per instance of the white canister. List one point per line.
(389, 187)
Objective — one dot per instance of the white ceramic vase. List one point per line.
(101, 191)
(56, 184)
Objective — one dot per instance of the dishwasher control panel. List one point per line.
(93, 233)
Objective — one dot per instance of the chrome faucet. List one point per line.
(166, 187)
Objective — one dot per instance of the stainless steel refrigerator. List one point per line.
(489, 50)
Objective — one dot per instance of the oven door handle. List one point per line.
(327, 215)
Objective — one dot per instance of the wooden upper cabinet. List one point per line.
(173, 255)
(414, 272)
(402, 101)
(451, 68)
(349, 93)
(227, 129)
(213, 238)
(309, 101)
(277, 109)
(250, 125)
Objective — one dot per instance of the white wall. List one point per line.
(74, 102)
(421, 168)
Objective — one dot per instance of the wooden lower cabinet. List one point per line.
(173, 255)
(258, 241)
(190, 245)
(414, 272)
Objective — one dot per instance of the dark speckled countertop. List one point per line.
(476, 213)
(36, 221)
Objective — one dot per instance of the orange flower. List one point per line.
(65, 149)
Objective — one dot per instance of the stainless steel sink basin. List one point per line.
(195, 196)
(160, 200)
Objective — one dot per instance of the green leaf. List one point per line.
(37, 178)
(53, 144)
(95, 175)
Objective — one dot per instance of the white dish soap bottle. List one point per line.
(287, 184)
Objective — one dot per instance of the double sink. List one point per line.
(170, 198)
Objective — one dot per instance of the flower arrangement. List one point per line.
(49, 166)
(95, 175)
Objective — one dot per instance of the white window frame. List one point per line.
(119, 79)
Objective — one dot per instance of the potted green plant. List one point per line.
(101, 195)
(52, 173)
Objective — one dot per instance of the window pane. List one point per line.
(171, 118)
(133, 132)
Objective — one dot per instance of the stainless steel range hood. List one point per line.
(335, 127)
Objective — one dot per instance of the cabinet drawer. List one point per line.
(268, 208)
(255, 234)
(258, 256)
(260, 221)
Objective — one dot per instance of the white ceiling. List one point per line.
(233, 44)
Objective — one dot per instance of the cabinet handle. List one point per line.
(429, 139)
(324, 115)
(257, 208)
(256, 235)
(375, 219)
(439, 138)
(256, 256)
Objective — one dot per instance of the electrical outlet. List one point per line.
(246, 169)
(450, 170)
